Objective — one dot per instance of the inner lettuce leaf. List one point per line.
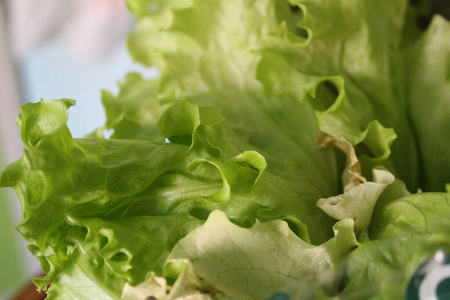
(252, 263)
(277, 151)
(404, 233)
(348, 68)
(429, 97)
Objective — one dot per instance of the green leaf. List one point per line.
(382, 269)
(69, 282)
(256, 262)
(133, 113)
(421, 213)
(358, 203)
(44, 119)
(405, 232)
(350, 70)
(428, 89)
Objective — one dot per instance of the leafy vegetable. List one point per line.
(281, 149)
(403, 233)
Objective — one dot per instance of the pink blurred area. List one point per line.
(89, 27)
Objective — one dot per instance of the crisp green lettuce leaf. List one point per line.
(382, 269)
(76, 282)
(356, 61)
(133, 113)
(253, 263)
(404, 233)
(421, 213)
(358, 203)
(428, 88)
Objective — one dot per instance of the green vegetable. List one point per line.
(297, 146)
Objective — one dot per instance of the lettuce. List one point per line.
(297, 146)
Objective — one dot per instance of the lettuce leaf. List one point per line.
(404, 233)
(429, 96)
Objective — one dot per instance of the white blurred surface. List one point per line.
(89, 27)
(11, 146)
(9, 98)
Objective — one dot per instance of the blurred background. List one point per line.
(53, 49)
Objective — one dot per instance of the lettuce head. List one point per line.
(295, 146)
